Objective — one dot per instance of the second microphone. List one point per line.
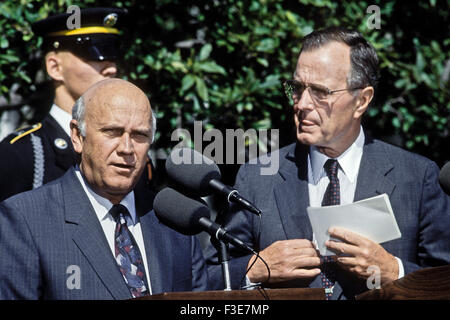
(200, 175)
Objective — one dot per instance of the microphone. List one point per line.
(444, 178)
(190, 217)
(191, 170)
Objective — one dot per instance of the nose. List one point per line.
(108, 69)
(126, 145)
(304, 102)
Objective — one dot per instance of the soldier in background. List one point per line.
(75, 59)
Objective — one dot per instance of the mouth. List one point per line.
(305, 125)
(124, 166)
(305, 122)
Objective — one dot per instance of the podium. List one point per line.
(257, 294)
(425, 284)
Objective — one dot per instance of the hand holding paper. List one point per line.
(357, 253)
(372, 218)
(358, 228)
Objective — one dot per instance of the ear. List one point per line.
(53, 64)
(363, 100)
(76, 137)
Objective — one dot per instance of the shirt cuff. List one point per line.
(401, 270)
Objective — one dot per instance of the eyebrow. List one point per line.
(114, 127)
(321, 86)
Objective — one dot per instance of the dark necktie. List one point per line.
(332, 196)
(127, 254)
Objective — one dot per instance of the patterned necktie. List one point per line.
(127, 254)
(331, 197)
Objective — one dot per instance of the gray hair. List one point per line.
(79, 110)
(363, 57)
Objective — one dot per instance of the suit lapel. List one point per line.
(89, 237)
(372, 181)
(291, 194)
(158, 251)
(372, 176)
(157, 248)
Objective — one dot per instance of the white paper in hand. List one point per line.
(372, 218)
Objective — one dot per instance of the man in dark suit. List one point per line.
(335, 162)
(88, 235)
(74, 59)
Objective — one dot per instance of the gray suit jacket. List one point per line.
(51, 235)
(421, 208)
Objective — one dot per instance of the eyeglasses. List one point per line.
(294, 90)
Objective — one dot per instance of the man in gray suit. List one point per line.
(335, 162)
(88, 235)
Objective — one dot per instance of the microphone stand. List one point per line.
(224, 254)
(224, 257)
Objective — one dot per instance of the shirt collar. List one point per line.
(348, 161)
(62, 117)
(102, 205)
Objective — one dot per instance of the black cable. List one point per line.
(258, 285)
(219, 220)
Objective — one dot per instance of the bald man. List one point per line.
(42, 152)
(90, 234)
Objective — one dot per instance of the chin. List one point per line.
(121, 184)
(306, 138)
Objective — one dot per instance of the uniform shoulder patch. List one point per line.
(22, 132)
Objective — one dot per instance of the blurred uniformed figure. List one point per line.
(75, 59)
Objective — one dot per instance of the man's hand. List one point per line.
(356, 253)
(287, 260)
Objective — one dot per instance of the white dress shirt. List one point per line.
(62, 117)
(348, 168)
(349, 162)
(102, 206)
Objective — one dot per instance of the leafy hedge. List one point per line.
(222, 61)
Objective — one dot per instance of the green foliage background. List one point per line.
(223, 61)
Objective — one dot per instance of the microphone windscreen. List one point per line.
(179, 212)
(444, 178)
(191, 170)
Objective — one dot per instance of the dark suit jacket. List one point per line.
(45, 232)
(421, 208)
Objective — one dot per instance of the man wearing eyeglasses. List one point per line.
(335, 162)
